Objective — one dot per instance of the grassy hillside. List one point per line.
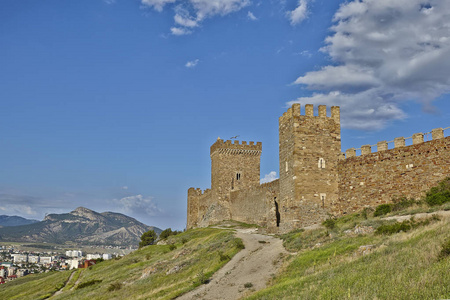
(337, 263)
(153, 272)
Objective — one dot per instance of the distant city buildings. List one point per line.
(21, 263)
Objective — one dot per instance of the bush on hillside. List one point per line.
(329, 223)
(402, 203)
(405, 225)
(382, 210)
(168, 232)
(440, 194)
(115, 286)
(148, 238)
(88, 283)
(445, 252)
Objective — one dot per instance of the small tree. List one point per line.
(166, 233)
(148, 238)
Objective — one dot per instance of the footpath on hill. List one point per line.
(247, 271)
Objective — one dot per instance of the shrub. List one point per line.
(405, 225)
(402, 203)
(88, 283)
(223, 257)
(114, 286)
(440, 194)
(165, 234)
(248, 285)
(394, 228)
(201, 278)
(172, 247)
(329, 223)
(184, 241)
(382, 210)
(239, 244)
(148, 238)
(445, 252)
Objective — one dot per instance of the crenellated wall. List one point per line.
(375, 178)
(316, 179)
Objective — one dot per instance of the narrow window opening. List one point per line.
(277, 212)
(238, 176)
(287, 166)
(321, 163)
(322, 197)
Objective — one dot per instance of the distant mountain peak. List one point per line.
(81, 209)
(81, 225)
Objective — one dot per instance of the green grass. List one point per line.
(153, 272)
(34, 286)
(405, 265)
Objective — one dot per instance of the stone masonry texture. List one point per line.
(317, 180)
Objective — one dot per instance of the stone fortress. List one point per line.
(316, 179)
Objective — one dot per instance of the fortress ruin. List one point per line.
(316, 179)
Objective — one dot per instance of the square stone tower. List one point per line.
(234, 166)
(310, 147)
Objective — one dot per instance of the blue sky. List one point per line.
(113, 105)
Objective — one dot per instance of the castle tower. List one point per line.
(234, 166)
(310, 147)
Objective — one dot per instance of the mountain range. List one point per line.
(6, 221)
(81, 226)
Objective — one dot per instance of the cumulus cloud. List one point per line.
(269, 177)
(299, 14)
(191, 13)
(192, 63)
(383, 53)
(138, 205)
(180, 31)
(251, 16)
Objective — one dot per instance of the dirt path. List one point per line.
(61, 289)
(253, 266)
(441, 213)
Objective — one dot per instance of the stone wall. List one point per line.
(256, 205)
(375, 178)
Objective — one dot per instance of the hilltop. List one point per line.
(80, 226)
(399, 250)
(348, 259)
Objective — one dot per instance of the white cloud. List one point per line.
(138, 205)
(383, 53)
(269, 177)
(157, 4)
(192, 63)
(109, 1)
(125, 187)
(191, 13)
(251, 16)
(180, 31)
(299, 14)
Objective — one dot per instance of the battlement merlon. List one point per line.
(235, 147)
(197, 191)
(294, 110)
(399, 142)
